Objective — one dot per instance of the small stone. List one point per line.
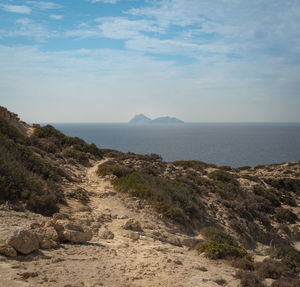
(132, 224)
(178, 262)
(134, 236)
(106, 234)
(8, 251)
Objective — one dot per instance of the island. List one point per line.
(142, 119)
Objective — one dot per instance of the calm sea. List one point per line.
(219, 143)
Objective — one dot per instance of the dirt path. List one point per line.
(122, 261)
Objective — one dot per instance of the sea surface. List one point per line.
(234, 144)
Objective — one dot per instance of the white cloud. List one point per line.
(28, 28)
(105, 1)
(16, 9)
(56, 17)
(123, 28)
(44, 5)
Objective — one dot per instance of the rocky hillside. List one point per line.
(76, 215)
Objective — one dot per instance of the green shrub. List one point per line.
(286, 252)
(214, 250)
(214, 234)
(221, 175)
(113, 169)
(195, 164)
(75, 154)
(174, 199)
(54, 135)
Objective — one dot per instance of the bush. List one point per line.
(75, 154)
(113, 169)
(214, 250)
(249, 279)
(221, 175)
(45, 204)
(54, 135)
(195, 164)
(242, 263)
(286, 282)
(286, 252)
(218, 236)
(174, 199)
(283, 215)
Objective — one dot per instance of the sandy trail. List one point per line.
(117, 262)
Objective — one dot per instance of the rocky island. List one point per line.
(72, 214)
(142, 119)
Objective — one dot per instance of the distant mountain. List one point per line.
(142, 119)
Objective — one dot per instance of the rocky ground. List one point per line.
(151, 254)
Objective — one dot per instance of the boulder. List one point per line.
(77, 236)
(7, 250)
(72, 232)
(132, 224)
(106, 234)
(25, 242)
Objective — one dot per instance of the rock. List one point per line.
(77, 236)
(106, 234)
(178, 262)
(7, 250)
(46, 235)
(25, 242)
(174, 241)
(133, 225)
(72, 232)
(134, 236)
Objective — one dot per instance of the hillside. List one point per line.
(100, 217)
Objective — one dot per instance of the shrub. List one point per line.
(286, 252)
(75, 154)
(54, 135)
(249, 279)
(242, 263)
(283, 215)
(218, 236)
(174, 199)
(214, 250)
(286, 282)
(268, 269)
(195, 164)
(45, 204)
(113, 169)
(221, 175)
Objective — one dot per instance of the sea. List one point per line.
(233, 144)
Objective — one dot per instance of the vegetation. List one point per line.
(214, 250)
(114, 169)
(63, 141)
(283, 215)
(217, 235)
(195, 164)
(25, 176)
(287, 253)
(174, 199)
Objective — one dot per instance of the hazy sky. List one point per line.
(106, 60)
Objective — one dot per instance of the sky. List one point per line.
(107, 60)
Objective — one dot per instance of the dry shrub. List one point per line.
(249, 279)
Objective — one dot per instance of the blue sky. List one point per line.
(106, 60)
